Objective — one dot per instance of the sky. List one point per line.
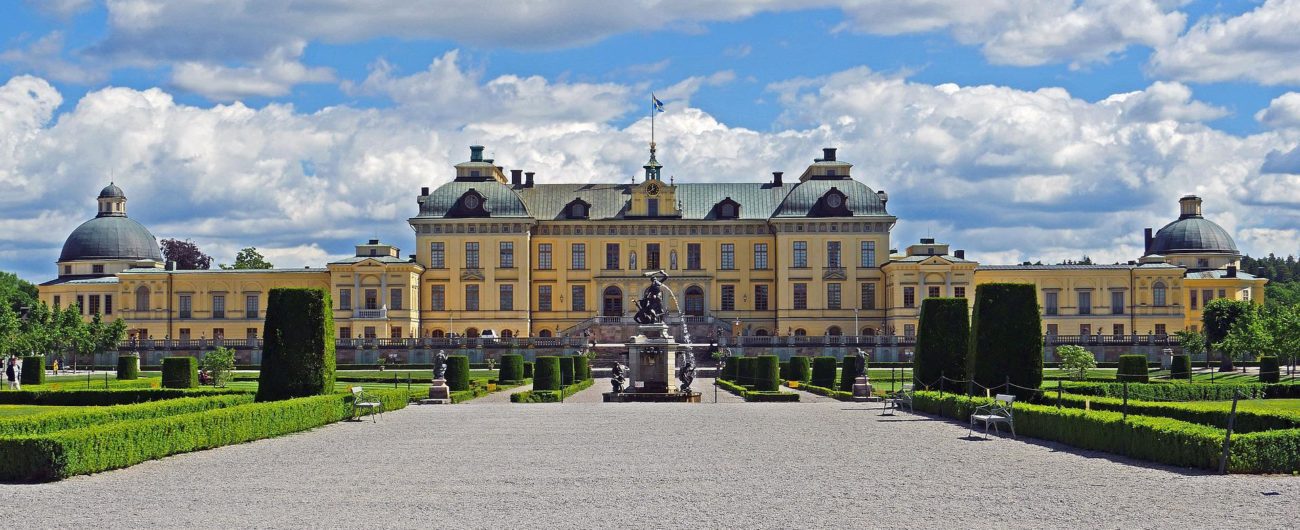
(1015, 129)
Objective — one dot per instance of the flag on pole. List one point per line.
(655, 104)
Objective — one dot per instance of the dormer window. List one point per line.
(577, 209)
(832, 204)
(727, 209)
(471, 204)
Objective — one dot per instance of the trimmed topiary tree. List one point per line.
(546, 373)
(298, 345)
(767, 373)
(33, 370)
(1133, 369)
(1006, 338)
(848, 372)
(785, 370)
(729, 369)
(581, 368)
(458, 373)
(1269, 370)
(566, 370)
(180, 372)
(823, 372)
(528, 370)
(942, 340)
(1181, 367)
(745, 371)
(800, 369)
(512, 368)
(128, 367)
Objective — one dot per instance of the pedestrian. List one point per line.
(11, 372)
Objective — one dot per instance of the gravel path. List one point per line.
(769, 465)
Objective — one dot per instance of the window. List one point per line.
(1050, 303)
(760, 298)
(507, 297)
(544, 298)
(369, 332)
(1160, 329)
(371, 299)
(471, 254)
(250, 306)
(184, 306)
(1206, 296)
(801, 296)
(141, 298)
(760, 256)
(652, 256)
(1117, 329)
(868, 254)
(1117, 304)
(933, 292)
(611, 256)
(800, 332)
(693, 256)
(218, 306)
(67, 269)
(218, 333)
(909, 297)
(395, 332)
(345, 333)
(94, 305)
(959, 292)
(345, 298)
(58, 301)
(1051, 329)
(832, 253)
(800, 254)
(909, 330)
(395, 298)
(108, 304)
(1085, 329)
(652, 207)
(507, 255)
(1202, 263)
(1192, 293)
(185, 334)
(727, 211)
(438, 297)
(833, 296)
(868, 296)
(81, 305)
(471, 297)
(437, 255)
(544, 256)
(578, 298)
(1158, 294)
(728, 256)
(97, 269)
(1223, 293)
(578, 257)
(728, 297)
(1085, 302)
(250, 333)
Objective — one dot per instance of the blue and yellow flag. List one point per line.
(655, 104)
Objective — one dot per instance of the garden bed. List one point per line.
(757, 396)
(550, 396)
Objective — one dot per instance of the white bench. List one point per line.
(361, 402)
(1001, 410)
(896, 400)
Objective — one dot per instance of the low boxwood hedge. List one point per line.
(180, 372)
(63, 419)
(828, 392)
(77, 398)
(128, 367)
(1211, 413)
(33, 370)
(757, 395)
(1184, 391)
(550, 396)
(1132, 368)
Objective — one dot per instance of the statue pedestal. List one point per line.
(652, 369)
(439, 393)
(861, 389)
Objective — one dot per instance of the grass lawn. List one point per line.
(11, 411)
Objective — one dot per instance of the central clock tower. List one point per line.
(652, 198)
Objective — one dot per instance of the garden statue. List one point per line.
(650, 308)
(686, 372)
(618, 378)
(440, 364)
(862, 363)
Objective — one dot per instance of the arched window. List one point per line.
(505, 333)
(579, 211)
(833, 331)
(695, 301)
(760, 332)
(471, 332)
(1158, 294)
(142, 298)
(868, 332)
(437, 334)
(544, 333)
(613, 302)
(800, 332)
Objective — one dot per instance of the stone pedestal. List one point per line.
(652, 361)
(439, 393)
(861, 389)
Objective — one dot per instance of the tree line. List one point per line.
(1238, 330)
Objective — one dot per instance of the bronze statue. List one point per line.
(439, 364)
(686, 372)
(862, 363)
(650, 308)
(618, 378)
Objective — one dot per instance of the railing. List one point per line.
(371, 313)
(1119, 340)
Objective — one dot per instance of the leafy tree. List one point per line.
(941, 341)
(1282, 324)
(73, 333)
(1006, 342)
(37, 333)
(1217, 319)
(10, 332)
(219, 363)
(16, 292)
(249, 258)
(186, 254)
(1076, 360)
(1192, 342)
(1247, 337)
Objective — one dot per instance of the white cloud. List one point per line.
(1260, 46)
(61, 8)
(273, 75)
(1282, 112)
(1165, 101)
(45, 56)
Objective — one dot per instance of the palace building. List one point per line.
(803, 256)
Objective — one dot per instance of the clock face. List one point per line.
(834, 201)
(652, 190)
(472, 202)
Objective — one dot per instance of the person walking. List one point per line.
(11, 372)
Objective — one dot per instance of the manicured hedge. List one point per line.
(758, 396)
(745, 371)
(77, 398)
(512, 368)
(1269, 371)
(63, 419)
(1185, 391)
(828, 392)
(581, 368)
(298, 345)
(457, 373)
(767, 377)
(785, 370)
(180, 372)
(1006, 338)
(729, 369)
(800, 369)
(128, 367)
(823, 372)
(1212, 413)
(547, 374)
(33, 370)
(848, 372)
(566, 370)
(1180, 367)
(549, 396)
(528, 370)
(942, 340)
(1132, 368)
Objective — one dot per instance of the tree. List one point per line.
(941, 341)
(72, 332)
(1076, 360)
(16, 292)
(1283, 326)
(219, 363)
(186, 254)
(298, 354)
(1217, 319)
(1006, 338)
(248, 258)
(1248, 336)
(1192, 342)
(10, 332)
(37, 333)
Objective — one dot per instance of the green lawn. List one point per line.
(11, 411)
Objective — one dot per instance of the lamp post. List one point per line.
(856, 329)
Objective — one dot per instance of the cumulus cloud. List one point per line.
(1258, 46)
(47, 57)
(273, 75)
(1282, 112)
(1164, 101)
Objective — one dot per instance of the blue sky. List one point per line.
(1015, 129)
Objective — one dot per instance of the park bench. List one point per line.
(1001, 410)
(896, 400)
(361, 402)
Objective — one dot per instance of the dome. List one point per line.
(1192, 235)
(111, 191)
(111, 238)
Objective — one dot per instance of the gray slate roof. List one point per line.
(1218, 274)
(1192, 235)
(110, 238)
(860, 199)
(499, 199)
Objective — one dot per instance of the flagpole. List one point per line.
(653, 110)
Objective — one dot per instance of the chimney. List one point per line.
(528, 179)
(927, 241)
(516, 177)
(475, 153)
(1149, 240)
(828, 154)
(171, 265)
(884, 197)
(373, 242)
(424, 192)
(959, 254)
(1232, 271)
(1190, 206)
(776, 178)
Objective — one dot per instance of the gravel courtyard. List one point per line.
(576, 465)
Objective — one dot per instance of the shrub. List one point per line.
(219, 363)
(767, 375)
(800, 369)
(1076, 360)
(458, 373)
(1181, 367)
(298, 350)
(1212, 413)
(942, 339)
(581, 368)
(566, 370)
(831, 393)
(64, 419)
(512, 368)
(1185, 391)
(528, 370)
(729, 369)
(848, 372)
(77, 398)
(1006, 341)
(785, 370)
(1269, 371)
(823, 372)
(550, 396)
(745, 371)
(128, 367)
(180, 372)
(33, 370)
(758, 396)
(546, 375)
(1132, 368)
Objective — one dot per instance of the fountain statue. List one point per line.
(618, 379)
(653, 353)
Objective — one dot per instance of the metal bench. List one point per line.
(896, 400)
(361, 402)
(1001, 410)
